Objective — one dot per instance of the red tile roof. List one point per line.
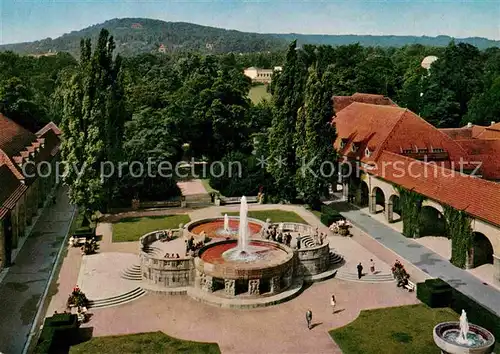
(476, 196)
(486, 153)
(49, 126)
(13, 137)
(341, 102)
(388, 128)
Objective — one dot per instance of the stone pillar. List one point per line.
(372, 203)
(389, 212)
(229, 287)
(469, 260)
(253, 286)
(496, 267)
(208, 284)
(345, 191)
(275, 285)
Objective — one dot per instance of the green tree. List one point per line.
(93, 114)
(315, 134)
(17, 101)
(485, 107)
(287, 99)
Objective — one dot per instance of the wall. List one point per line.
(168, 273)
(312, 261)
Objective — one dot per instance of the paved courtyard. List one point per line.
(277, 329)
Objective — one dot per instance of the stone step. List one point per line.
(371, 278)
(335, 258)
(117, 300)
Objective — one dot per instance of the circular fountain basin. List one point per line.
(214, 228)
(480, 340)
(263, 259)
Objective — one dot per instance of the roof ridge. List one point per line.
(7, 161)
(390, 132)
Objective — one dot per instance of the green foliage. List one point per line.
(287, 99)
(239, 175)
(57, 334)
(459, 228)
(329, 215)
(411, 205)
(313, 141)
(434, 293)
(484, 107)
(92, 123)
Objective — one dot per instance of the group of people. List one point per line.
(360, 268)
(166, 236)
(319, 237)
(192, 246)
(169, 255)
(272, 233)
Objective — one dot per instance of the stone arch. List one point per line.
(379, 199)
(432, 221)
(482, 250)
(364, 194)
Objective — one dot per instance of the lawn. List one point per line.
(145, 343)
(274, 215)
(405, 329)
(131, 229)
(259, 93)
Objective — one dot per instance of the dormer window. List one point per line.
(422, 151)
(343, 142)
(355, 147)
(407, 151)
(368, 153)
(437, 150)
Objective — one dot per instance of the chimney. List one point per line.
(469, 125)
(493, 122)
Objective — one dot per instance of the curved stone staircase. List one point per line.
(335, 258)
(132, 273)
(117, 300)
(152, 250)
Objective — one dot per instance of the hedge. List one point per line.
(58, 332)
(329, 215)
(438, 293)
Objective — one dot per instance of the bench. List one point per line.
(410, 286)
(237, 200)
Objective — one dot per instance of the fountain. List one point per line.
(463, 338)
(226, 224)
(243, 227)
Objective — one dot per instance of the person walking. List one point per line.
(309, 317)
(333, 303)
(372, 266)
(360, 270)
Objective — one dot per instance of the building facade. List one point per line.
(387, 150)
(27, 176)
(261, 75)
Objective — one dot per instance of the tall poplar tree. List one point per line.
(92, 124)
(287, 99)
(316, 157)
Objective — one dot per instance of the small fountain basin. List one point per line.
(446, 337)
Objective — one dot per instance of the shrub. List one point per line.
(435, 293)
(58, 332)
(329, 215)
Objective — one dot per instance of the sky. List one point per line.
(29, 20)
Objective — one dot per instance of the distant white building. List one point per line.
(261, 75)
